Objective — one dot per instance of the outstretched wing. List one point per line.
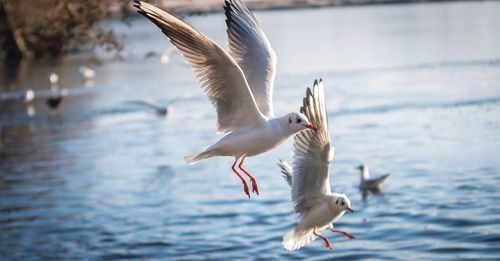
(249, 46)
(313, 153)
(220, 77)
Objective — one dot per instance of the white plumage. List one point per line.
(239, 84)
(313, 200)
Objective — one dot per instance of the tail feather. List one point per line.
(286, 170)
(382, 179)
(192, 159)
(294, 239)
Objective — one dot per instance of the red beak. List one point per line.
(312, 127)
(350, 210)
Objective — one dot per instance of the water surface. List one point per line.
(411, 89)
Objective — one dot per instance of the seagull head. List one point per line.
(341, 202)
(360, 167)
(298, 122)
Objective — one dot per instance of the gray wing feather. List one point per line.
(220, 77)
(313, 153)
(249, 46)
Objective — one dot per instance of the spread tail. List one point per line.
(192, 159)
(294, 239)
(286, 170)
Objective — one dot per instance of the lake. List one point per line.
(411, 89)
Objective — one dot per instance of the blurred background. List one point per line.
(97, 110)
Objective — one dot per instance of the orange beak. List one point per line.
(350, 210)
(312, 127)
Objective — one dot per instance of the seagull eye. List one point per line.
(343, 203)
(289, 120)
(337, 202)
(299, 120)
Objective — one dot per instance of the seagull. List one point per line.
(28, 96)
(313, 200)
(86, 73)
(54, 80)
(366, 183)
(55, 96)
(239, 83)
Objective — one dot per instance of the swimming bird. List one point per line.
(366, 183)
(239, 83)
(55, 96)
(54, 80)
(28, 96)
(313, 200)
(86, 73)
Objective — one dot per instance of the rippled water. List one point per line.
(411, 89)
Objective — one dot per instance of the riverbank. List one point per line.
(208, 6)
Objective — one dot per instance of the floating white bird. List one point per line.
(28, 96)
(370, 184)
(55, 96)
(86, 73)
(239, 84)
(317, 206)
(54, 80)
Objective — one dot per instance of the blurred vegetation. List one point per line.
(51, 28)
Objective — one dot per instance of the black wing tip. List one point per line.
(227, 11)
(137, 4)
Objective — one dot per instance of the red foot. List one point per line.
(245, 188)
(255, 186)
(245, 185)
(347, 234)
(328, 244)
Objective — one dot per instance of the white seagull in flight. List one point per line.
(310, 178)
(239, 83)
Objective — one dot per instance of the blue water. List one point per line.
(411, 89)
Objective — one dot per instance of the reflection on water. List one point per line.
(407, 91)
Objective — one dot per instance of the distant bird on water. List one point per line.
(54, 80)
(55, 97)
(86, 73)
(239, 84)
(313, 200)
(28, 96)
(366, 183)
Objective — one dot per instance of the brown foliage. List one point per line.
(52, 28)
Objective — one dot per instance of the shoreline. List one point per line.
(187, 7)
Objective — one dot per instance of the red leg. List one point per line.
(347, 234)
(255, 186)
(327, 242)
(245, 185)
